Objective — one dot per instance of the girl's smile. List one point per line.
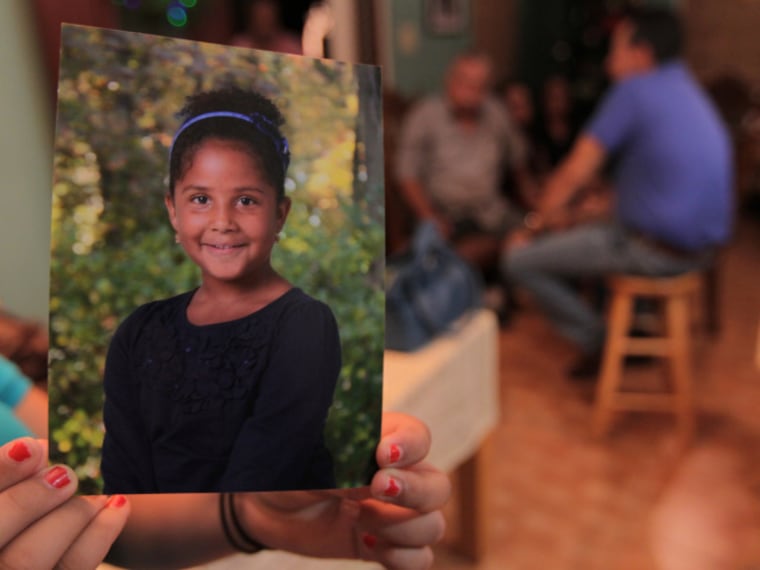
(223, 248)
(226, 214)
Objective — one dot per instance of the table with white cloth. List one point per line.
(452, 384)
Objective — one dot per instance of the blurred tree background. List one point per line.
(113, 247)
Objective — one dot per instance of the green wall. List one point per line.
(25, 166)
(419, 56)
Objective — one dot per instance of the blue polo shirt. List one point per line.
(672, 159)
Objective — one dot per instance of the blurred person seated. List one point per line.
(264, 29)
(452, 153)
(518, 101)
(558, 124)
(672, 183)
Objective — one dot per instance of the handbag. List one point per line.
(429, 288)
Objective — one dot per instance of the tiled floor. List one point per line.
(559, 500)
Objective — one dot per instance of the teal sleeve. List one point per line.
(10, 426)
(13, 384)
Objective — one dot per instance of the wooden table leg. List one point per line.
(471, 492)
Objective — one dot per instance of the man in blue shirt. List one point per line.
(672, 179)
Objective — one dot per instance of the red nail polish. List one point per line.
(395, 453)
(392, 489)
(370, 540)
(116, 501)
(57, 477)
(19, 451)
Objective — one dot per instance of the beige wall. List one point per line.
(25, 165)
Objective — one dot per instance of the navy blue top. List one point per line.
(671, 155)
(232, 406)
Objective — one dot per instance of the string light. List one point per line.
(176, 16)
(176, 12)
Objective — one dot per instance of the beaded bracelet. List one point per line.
(234, 532)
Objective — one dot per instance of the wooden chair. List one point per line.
(675, 295)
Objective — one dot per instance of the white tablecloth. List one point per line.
(452, 385)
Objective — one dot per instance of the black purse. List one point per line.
(429, 287)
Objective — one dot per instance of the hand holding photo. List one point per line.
(247, 356)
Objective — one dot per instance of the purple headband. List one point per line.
(263, 124)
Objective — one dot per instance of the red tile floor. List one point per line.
(560, 500)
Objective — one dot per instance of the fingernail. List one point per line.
(395, 454)
(19, 451)
(370, 540)
(116, 501)
(392, 489)
(57, 477)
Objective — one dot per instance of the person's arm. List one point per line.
(11, 427)
(577, 170)
(171, 531)
(564, 183)
(276, 445)
(414, 194)
(29, 404)
(392, 523)
(596, 203)
(613, 123)
(423, 210)
(32, 411)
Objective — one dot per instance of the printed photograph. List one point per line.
(217, 262)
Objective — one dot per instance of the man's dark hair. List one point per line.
(660, 28)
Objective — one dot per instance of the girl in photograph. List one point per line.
(225, 387)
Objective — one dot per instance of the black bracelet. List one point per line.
(235, 534)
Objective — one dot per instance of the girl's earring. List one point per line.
(176, 238)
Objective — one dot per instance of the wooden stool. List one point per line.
(675, 294)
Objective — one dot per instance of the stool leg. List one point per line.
(712, 300)
(612, 362)
(680, 366)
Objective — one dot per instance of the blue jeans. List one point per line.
(546, 266)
